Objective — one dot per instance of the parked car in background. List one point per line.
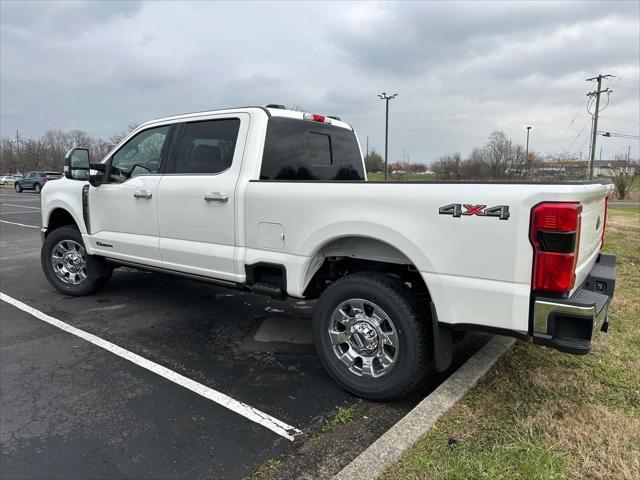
(35, 180)
(8, 179)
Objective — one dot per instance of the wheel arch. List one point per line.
(344, 254)
(60, 216)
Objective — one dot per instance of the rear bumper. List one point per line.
(569, 324)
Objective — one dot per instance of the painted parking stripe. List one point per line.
(27, 196)
(18, 211)
(21, 206)
(20, 224)
(250, 413)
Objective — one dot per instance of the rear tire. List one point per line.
(67, 266)
(18, 188)
(37, 187)
(383, 351)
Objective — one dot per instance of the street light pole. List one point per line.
(527, 154)
(384, 96)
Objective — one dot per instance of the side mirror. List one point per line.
(76, 164)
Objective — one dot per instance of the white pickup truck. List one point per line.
(277, 202)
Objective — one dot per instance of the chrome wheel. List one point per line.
(69, 262)
(363, 338)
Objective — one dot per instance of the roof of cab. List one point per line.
(271, 112)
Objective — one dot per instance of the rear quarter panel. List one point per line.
(477, 269)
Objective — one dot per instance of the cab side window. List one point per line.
(139, 156)
(207, 147)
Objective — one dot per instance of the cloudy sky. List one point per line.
(461, 70)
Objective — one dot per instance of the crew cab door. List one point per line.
(197, 197)
(123, 211)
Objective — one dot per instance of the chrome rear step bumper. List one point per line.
(569, 324)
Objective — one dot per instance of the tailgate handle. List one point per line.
(142, 194)
(216, 197)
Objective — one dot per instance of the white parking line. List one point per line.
(18, 211)
(250, 413)
(21, 206)
(32, 196)
(21, 224)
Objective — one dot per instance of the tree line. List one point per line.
(22, 154)
(499, 159)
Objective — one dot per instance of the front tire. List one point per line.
(67, 266)
(18, 188)
(372, 336)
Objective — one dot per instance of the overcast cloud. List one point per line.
(461, 70)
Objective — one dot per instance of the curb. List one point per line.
(391, 445)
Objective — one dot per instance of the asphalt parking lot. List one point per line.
(223, 380)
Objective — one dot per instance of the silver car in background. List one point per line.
(9, 179)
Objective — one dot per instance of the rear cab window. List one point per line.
(297, 149)
(206, 147)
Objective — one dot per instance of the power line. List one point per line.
(620, 135)
(626, 80)
(570, 124)
(579, 133)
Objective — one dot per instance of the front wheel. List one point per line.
(18, 187)
(371, 336)
(68, 267)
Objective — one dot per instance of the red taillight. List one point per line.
(555, 236)
(316, 118)
(604, 223)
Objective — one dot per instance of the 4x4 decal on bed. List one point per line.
(455, 209)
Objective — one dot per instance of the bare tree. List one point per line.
(447, 167)
(118, 137)
(475, 166)
(47, 152)
(624, 172)
(496, 153)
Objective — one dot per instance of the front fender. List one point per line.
(67, 195)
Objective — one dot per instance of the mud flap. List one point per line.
(442, 342)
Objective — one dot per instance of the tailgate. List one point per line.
(591, 229)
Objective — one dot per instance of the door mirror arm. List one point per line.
(97, 173)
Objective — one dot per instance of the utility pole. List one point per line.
(600, 153)
(527, 154)
(594, 132)
(367, 147)
(629, 153)
(384, 96)
(17, 158)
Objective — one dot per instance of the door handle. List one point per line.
(216, 197)
(142, 194)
